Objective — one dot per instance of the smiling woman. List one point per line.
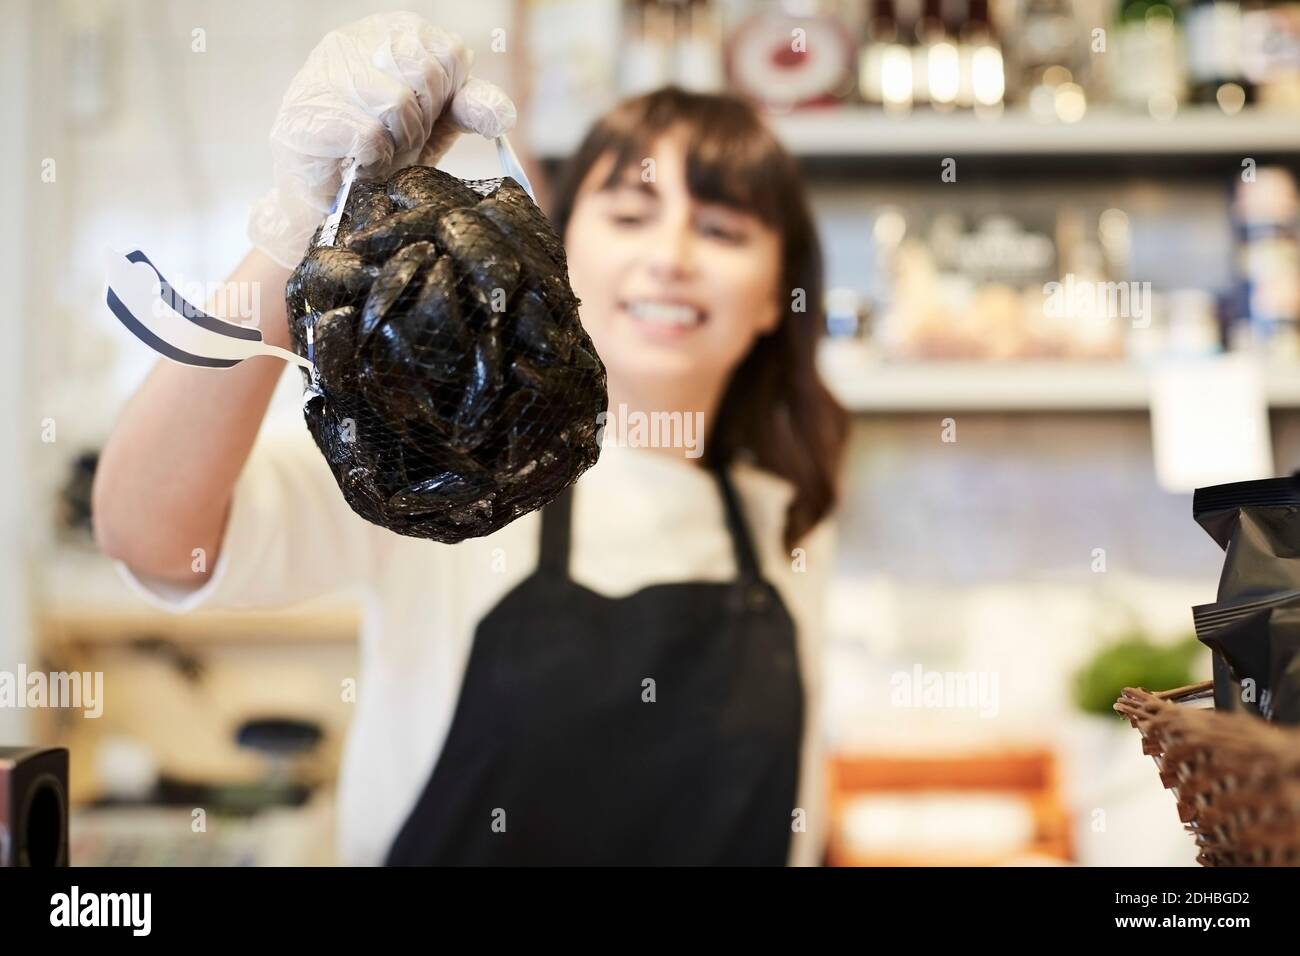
(694, 252)
(631, 673)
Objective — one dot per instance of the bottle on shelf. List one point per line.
(647, 61)
(697, 51)
(983, 80)
(934, 60)
(1149, 72)
(1213, 32)
(1266, 211)
(885, 64)
(1049, 63)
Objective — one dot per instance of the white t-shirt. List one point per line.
(639, 518)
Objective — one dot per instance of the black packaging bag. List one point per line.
(1257, 523)
(1254, 644)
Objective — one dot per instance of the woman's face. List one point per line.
(674, 290)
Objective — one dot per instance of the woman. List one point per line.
(628, 676)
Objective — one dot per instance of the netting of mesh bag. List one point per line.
(455, 387)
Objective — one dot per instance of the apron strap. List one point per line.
(557, 517)
(553, 558)
(746, 562)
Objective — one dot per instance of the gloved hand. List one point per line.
(389, 90)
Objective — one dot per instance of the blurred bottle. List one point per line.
(1214, 46)
(884, 62)
(1266, 212)
(697, 51)
(845, 313)
(1097, 311)
(983, 80)
(647, 47)
(934, 60)
(1149, 70)
(1049, 60)
(1270, 52)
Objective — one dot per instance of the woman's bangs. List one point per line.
(730, 160)
(733, 170)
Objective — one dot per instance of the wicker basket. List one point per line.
(1235, 777)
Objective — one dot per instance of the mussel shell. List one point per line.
(327, 279)
(534, 331)
(367, 204)
(381, 239)
(485, 381)
(447, 340)
(485, 260)
(428, 186)
(391, 282)
(531, 227)
(334, 344)
(441, 492)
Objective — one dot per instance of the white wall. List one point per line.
(18, 178)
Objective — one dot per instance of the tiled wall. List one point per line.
(1015, 495)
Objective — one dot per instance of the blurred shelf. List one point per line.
(983, 787)
(857, 132)
(1010, 386)
(1203, 131)
(82, 599)
(114, 625)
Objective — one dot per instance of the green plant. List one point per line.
(1133, 661)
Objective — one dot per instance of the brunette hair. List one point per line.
(775, 411)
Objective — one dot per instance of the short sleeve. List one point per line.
(289, 537)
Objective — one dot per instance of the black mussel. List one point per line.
(391, 282)
(512, 226)
(485, 380)
(334, 342)
(381, 239)
(328, 278)
(446, 343)
(391, 379)
(518, 415)
(427, 186)
(336, 435)
(367, 204)
(482, 256)
(531, 224)
(443, 491)
(585, 359)
(527, 375)
(534, 331)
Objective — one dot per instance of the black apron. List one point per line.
(562, 751)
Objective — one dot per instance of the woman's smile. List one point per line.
(663, 319)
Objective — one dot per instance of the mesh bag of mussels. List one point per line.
(455, 388)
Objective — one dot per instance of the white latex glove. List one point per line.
(389, 90)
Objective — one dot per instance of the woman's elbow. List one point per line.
(113, 536)
(121, 531)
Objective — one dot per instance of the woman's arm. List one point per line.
(164, 480)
